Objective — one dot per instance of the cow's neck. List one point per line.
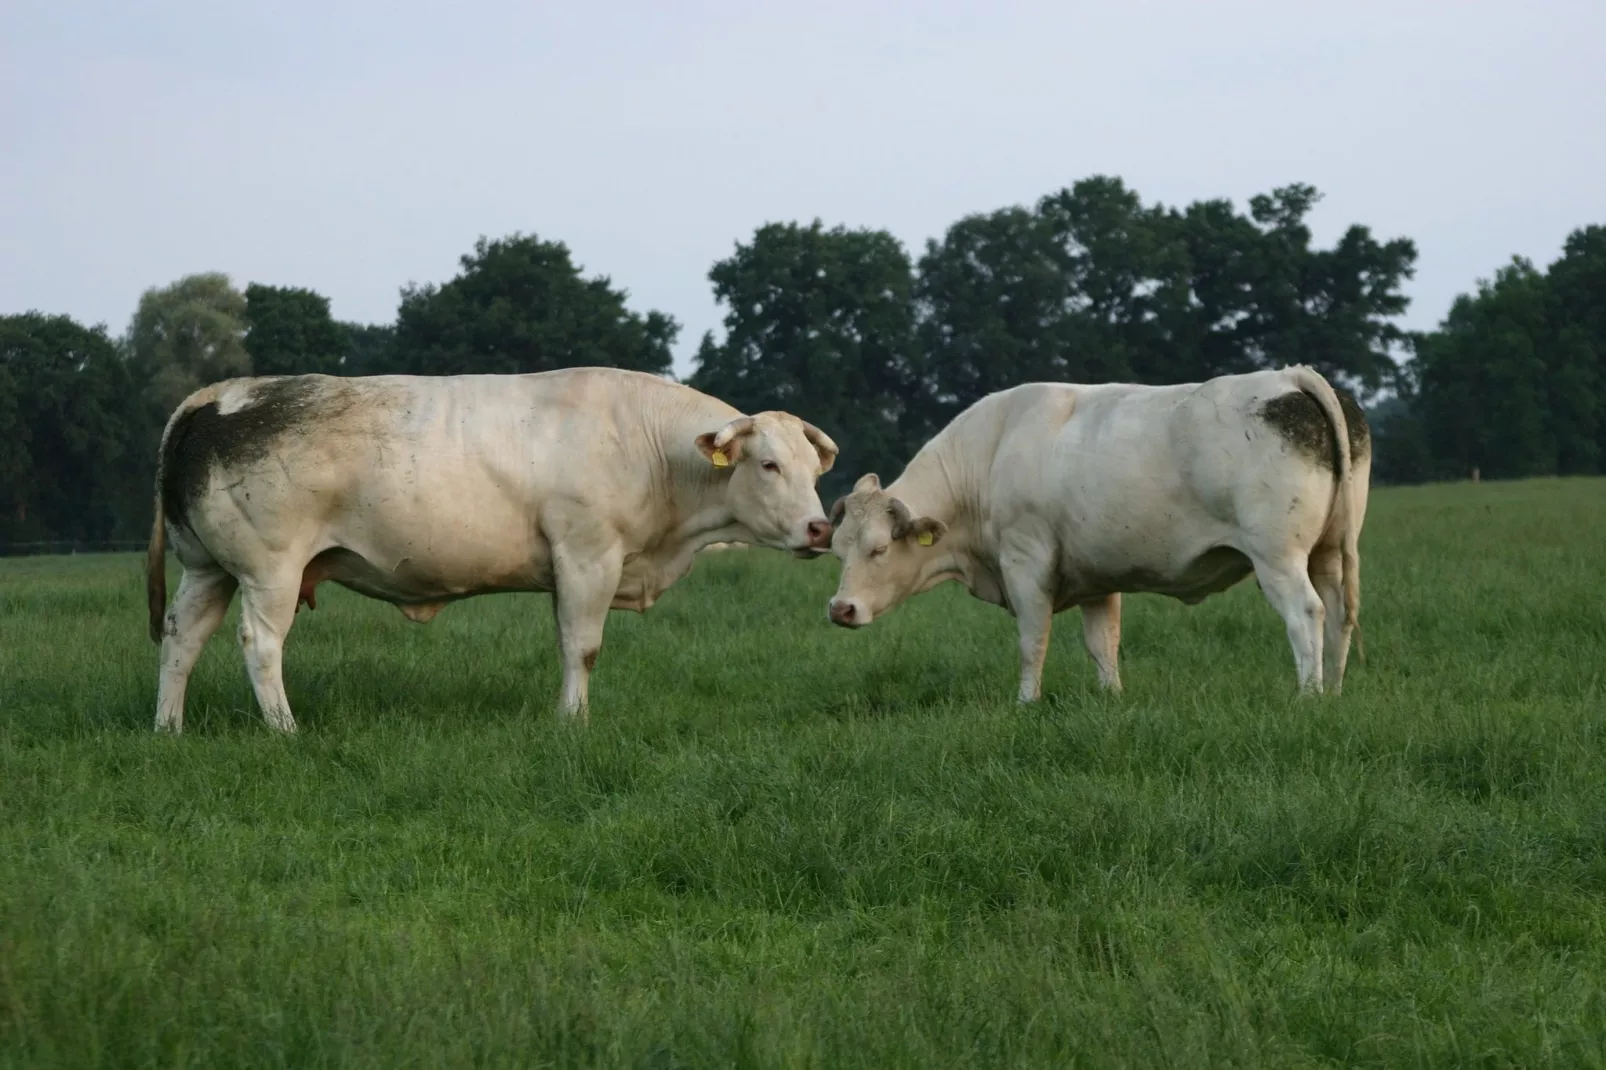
(686, 507)
(931, 486)
(697, 494)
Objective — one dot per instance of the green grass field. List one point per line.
(779, 843)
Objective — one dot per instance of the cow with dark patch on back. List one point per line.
(1052, 495)
(596, 484)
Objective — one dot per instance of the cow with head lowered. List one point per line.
(1051, 495)
(595, 484)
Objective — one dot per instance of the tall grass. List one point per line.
(783, 844)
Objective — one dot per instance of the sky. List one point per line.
(354, 147)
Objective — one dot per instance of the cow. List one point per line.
(596, 484)
(1052, 495)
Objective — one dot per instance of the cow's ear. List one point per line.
(822, 445)
(723, 448)
(838, 508)
(926, 531)
(868, 481)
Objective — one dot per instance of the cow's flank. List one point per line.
(205, 438)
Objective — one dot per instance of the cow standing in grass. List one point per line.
(1050, 495)
(596, 484)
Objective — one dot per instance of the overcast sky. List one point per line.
(355, 146)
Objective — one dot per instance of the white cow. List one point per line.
(596, 484)
(1050, 495)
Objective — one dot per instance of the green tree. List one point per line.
(64, 394)
(1331, 309)
(370, 349)
(1578, 307)
(1210, 321)
(1125, 272)
(521, 305)
(289, 332)
(1502, 389)
(14, 458)
(1401, 452)
(820, 323)
(1095, 286)
(185, 336)
(991, 299)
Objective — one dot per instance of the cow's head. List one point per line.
(774, 460)
(885, 553)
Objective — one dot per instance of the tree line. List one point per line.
(845, 327)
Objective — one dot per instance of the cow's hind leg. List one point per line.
(1287, 586)
(197, 609)
(267, 609)
(1101, 631)
(585, 588)
(1327, 575)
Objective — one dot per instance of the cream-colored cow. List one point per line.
(596, 484)
(1049, 495)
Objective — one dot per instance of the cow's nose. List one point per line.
(819, 533)
(844, 613)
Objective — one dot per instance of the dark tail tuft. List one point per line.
(156, 573)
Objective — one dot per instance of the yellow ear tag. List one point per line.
(924, 538)
(719, 459)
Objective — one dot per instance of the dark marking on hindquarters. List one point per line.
(1300, 421)
(204, 440)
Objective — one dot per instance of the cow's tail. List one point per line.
(1321, 391)
(156, 553)
(156, 569)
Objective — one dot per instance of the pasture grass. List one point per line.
(783, 844)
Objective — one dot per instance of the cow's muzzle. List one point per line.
(848, 613)
(819, 539)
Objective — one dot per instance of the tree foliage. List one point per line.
(1508, 384)
(1092, 285)
(370, 349)
(289, 332)
(187, 335)
(1332, 309)
(64, 418)
(520, 304)
(1578, 309)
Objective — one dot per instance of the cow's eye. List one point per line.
(878, 551)
(771, 466)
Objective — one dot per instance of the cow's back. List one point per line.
(1103, 451)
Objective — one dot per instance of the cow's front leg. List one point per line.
(584, 588)
(1034, 615)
